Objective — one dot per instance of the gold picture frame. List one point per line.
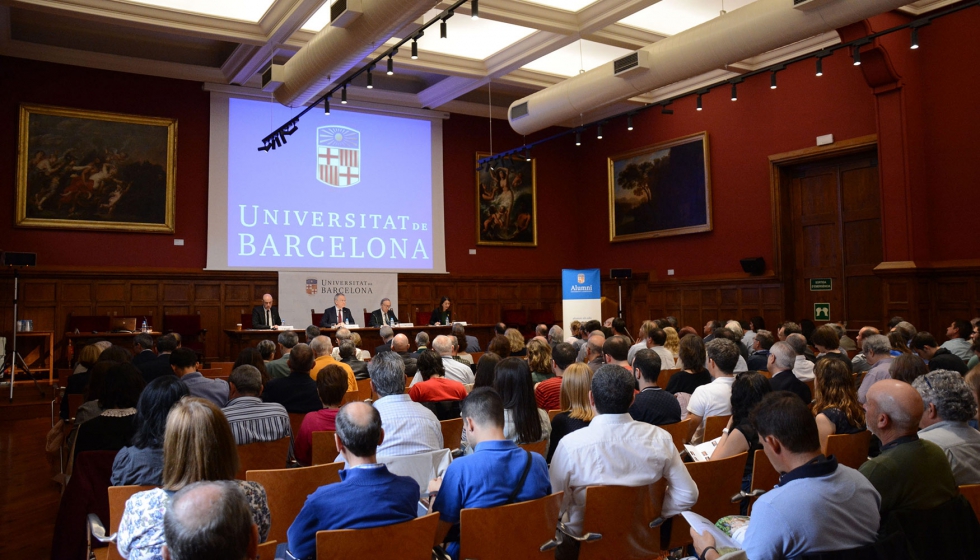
(506, 203)
(93, 170)
(661, 190)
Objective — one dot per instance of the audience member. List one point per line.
(280, 368)
(421, 341)
(691, 357)
(641, 339)
(715, 398)
(547, 393)
(759, 356)
(78, 380)
(555, 336)
(827, 343)
(958, 339)
(673, 343)
(459, 352)
(114, 428)
(296, 392)
(877, 351)
(593, 351)
(252, 357)
(435, 387)
(400, 346)
(576, 410)
(907, 368)
(846, 343)
(911, 473)
(836, 404)
(184, 362)
(802, 367)
(486, 370)
(456, 371)
(159, 366)
(348, 357)
(322, 354)
(737, 333)
(524, 422)
(331, 386)
(209, 520)
(539, 361)
(367, 494)
(818, 506)
(471, 344)
(267, 349)
(728, 334)
(312, 331)
(197, 446)
(250, 419)
(516, 340)
(387, 333)
(782, 358)
(409, 427)
(360, 354)
(937, 357)
(898, 344)
(709, 330)
(142, 349)
(948, 406)
(500, 346)
(91, 408)
(141, 462)
(486, 478)
(652, 404)
(859, 362)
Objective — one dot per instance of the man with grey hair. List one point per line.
(911, 473)
(759, 355)
(368, 495)
(457, 371)
(470, 343)
(142, 349)
(802, 367)
(948, 404)
(859, 362)
(267, 349)
(338, 314)
(593, 356)
(209, 520)
(410, 428)
(846, 343)
(877, 350)
(340, 336)
(280, 368)
(312, 332)
(782, 358)
(421, 343)
(348, 357)
(384, 315)
(386, 333)
(715, 398)
(251, 419)
(907, 329)
(323, 357)
(555, 336)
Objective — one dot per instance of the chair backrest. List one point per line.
(287, 489)
(315, 317)
(539, 447)
(452, 433)
(665, 375)
(117, 504)
(211, 373)
(972, 494)
(75, 400)
(488, 533)
(421, 467)
(324, 447)
(476, 357)
(295, 421)
(553, 413)
(713, 426)
(622, 515)
(367, 317)
(246, 320)
(412, 539)
(364, 388)
(514, 318)
(849, 449)
(225, 367)
(267, 550)
(350, 396)
(764, 475)
(717, 482)
(87, 323)
(185, 325)
(444, 410)
(678, 432)
(262, 455)
(422, 317)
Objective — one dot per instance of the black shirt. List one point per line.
(562, 425)
(944, 359)
(105, 433)
(685, 382)
(837, 356)
(786, 381)
(296, 392)
(655, 406)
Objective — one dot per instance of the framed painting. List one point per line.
(92, 170)
(506, 203)
(660, 190)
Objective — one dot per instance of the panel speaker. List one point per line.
(621, 273)
(754, 266)
(19, 259)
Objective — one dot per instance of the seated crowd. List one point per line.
(598, 407)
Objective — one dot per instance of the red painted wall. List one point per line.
(28, 81)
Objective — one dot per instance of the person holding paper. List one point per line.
(818, 505)
(384, 315)
(338, 313)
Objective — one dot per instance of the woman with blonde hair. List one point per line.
(539, 360)
(197, 445)
(577, 412)
(516, 340)
(673, 343)
(836, 403)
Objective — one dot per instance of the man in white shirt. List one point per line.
(655, 340)
(802, 368)
(457, 371)
(949, 405)
(409, 427)
(614, 449)
(715, 398)
(958, 334)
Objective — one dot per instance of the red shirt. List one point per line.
(318, 421)
(548, 394)
(437, 389)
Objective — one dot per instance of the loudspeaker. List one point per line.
(19, 259)
(621, 273)
(756, 265)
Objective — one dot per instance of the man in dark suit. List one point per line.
(348, 355)
(383, 316)
(782, 358)
(338, 313)
(143, 349)
(296, 392)
(265, 316)
(160, 365)
(386, 333)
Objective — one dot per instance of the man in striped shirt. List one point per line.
(252, 420)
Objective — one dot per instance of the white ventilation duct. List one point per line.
(748, 31)
(335, 50)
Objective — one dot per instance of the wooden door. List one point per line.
(834, 222)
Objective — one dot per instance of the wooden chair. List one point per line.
(117, 504)
(452, 433)
(295, 421)
(287, 490)
(553, 413)
(476, 357)
(211, 373)
(364, 388)
(539, 447)
(849, 449)
(267, 550)
(225, 367)
(678, 432)
(315, 318)
(972, 494)
(412, 539)
(75, 400)
(422, 318)
(811, 383)
(665, 375)
(764, 478)
(713, 426)
(189, 328)
(765, 373)
(621, 522)
(246, 320)
(488, 533)
(324, 448)
(262, 455)
(717, 482)
(350, 396)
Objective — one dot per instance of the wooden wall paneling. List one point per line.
(238, 292)
(113, 310)
(76, 291)
(111, 291)
(173, 291)
(210, 291)
(42, 315)
(141, 291)
(38, 292)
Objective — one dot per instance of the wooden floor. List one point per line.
(28, 497)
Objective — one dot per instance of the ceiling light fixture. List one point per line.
(578, 138)
(599, 132)
(819, 66)
(664, 110)
(527, 152)
(343, 95)
(475, 9)
(629, 122)
(326, 105)
(772, 80)
(391, 66)
(370, 84)
(734, 92)
(857, 55)
(699, 102)
(915, 38)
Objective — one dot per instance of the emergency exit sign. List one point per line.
(821, 311)
(821, 284)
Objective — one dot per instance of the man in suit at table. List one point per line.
(383, 316)
(266, 316)
(338, 313)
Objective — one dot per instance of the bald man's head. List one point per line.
(208, 520)
(358, 426)
(894, 409)
(399, 343)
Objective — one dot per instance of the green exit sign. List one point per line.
(821, 311)
(821, 284)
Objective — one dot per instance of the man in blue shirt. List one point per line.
(496, 474)
(818, 505)
(367, 494)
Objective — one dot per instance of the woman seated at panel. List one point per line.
(441, 315)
